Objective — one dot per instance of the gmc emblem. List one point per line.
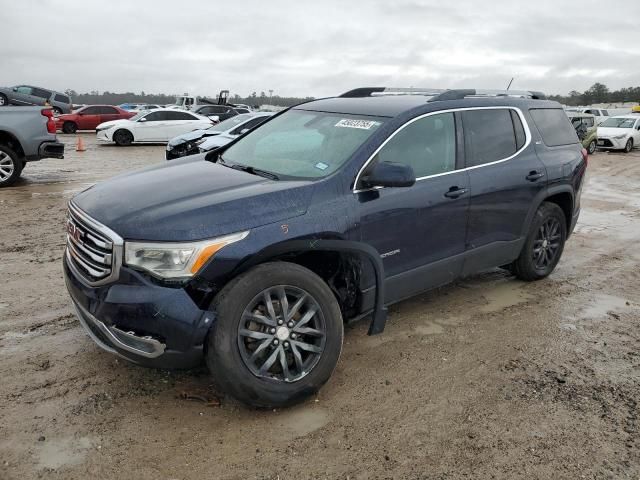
(74, 232)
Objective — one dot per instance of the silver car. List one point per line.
(30, 95)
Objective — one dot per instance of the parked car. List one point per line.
(230, 129)
(586, 128)
(222, 112)
(157, 125)
(130, 106)
(254, 255)
(619, 133)
(29, 95)
(27, 134)
(599, 113)
(89, 117)
(145, 107)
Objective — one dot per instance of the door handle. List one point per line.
(534, 175)
(455, 192)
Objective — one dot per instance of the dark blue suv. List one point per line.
(254, 255)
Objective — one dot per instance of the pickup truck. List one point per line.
(26, 134)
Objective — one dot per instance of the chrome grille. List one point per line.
(93, 250)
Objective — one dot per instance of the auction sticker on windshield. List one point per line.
(363, 124)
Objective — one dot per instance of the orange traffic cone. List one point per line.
(80, 145)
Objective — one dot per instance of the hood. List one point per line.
(113, 123)
(608, 132)
(191, 199)
(190, 136)
(217, 141)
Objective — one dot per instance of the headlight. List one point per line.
(620, 137)
(175, 260)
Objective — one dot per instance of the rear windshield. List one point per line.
(554, 126)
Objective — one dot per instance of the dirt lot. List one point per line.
(488, 378)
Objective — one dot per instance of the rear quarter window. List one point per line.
(62, 99)
(554, 126)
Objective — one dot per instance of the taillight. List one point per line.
(51, 124)
(585, 155)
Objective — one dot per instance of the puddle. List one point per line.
(303, 421)
(505, 295)
(57, 453)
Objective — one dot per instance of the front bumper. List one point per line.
(614, 143)
(103, 135)
(141, 321)
(178, 151)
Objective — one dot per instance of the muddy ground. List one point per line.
(487, 378)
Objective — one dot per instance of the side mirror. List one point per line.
(143, 119)
(15, 89)
(390, 174)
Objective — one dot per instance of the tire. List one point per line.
(69, 127)
(544, 244)
(592, 147)
(236, 336)
(4, 101)
(10, 166)
(57, 111)
(628, 146)
(123, 137)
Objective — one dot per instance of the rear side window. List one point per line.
(554, 126)
(427, 145)
(489, 135)
(588, 121)
(62, 98)
(107, 110)
(180, 116)
(91, 111)
(39, 92)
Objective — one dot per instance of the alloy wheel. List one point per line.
(547, 244)
(7, 166)
(282, 334)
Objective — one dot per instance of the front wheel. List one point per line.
(277, 337)
(628, 146)
(544, 244)
(123, 137)
(4, 101)
(10, 166)
(592, 147)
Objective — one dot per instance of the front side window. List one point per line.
(489, 135)
(24, 90)
(427, 145)
(303, 144)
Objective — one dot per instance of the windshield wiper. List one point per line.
(255, 171)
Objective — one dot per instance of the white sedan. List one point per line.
(156, 126)
(620, 133)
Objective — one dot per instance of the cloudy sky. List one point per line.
(318, 48)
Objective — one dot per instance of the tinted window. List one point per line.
(521, 137)
(24, 90)
(605, 113)
(489, 135)
(108, 111)
(250, 124)
(427, 145)
(90, 111)
(156, 116)
(39, 92)
(588, 122)
(62, 98)
(554, 126)
(179, 116)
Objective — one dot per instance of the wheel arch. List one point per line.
(123, 129)
(561, 195)
(12, 142)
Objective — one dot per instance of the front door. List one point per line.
(420, 230)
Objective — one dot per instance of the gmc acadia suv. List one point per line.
(255, 254)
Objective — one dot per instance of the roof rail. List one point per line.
(439, 94)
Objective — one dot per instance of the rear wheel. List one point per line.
(4, 101)
(628, 146)
(592, 147)
(123, 137)
(69, 127)
(544, 244)
(277, 337)
(10, 166)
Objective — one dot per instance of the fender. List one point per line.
(541, 197)
(380, 311)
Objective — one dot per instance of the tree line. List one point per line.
(599, 93)
(112, 98)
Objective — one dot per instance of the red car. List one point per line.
(89, 117)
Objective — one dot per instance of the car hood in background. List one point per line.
(194, 135)
(609, 132)
(217, 141)
(191, 199)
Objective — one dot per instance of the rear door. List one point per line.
(152, 127)
(89, 118)
(505, 176)
(179, 123)
(419, 230)
(108, 113)
(41, 96)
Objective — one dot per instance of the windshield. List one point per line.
(303, 144)
(230, 123)
(618, 122)
(139, 115)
